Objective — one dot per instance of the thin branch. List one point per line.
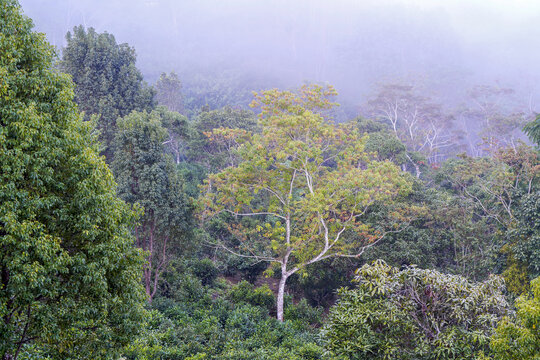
(254, 213)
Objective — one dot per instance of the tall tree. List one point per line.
(69, 274)
(494, 117)
(147, 177)
(178, 131)
(416, 120)
(107, 82)
(307, 182)
(499, 203)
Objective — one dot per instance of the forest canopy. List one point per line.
(215, 215)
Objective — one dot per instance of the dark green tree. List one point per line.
(178, 133)
(524, 237)
(69, 274)
(147, 177)
(107, 82)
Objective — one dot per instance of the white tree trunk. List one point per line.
(281, 296)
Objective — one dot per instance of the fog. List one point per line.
(442, 47)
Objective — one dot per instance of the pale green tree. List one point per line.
(305, 181)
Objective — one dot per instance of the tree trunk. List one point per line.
(281, 296)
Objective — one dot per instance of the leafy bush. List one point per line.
(520, 338)
(244, 292)
(303, 313)
(205, 270)
(224, 322)
(413, 314)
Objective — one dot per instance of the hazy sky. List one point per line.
(449, 44)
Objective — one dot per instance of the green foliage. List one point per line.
(147, 177)
(69, 275)
(303, 313)
(382, 141)
(207, 326)
(205, 270)
(524, 237)
(388, 147)
(519, 339)
(304, 180)
(178, 132)
(474, 210)
(107, 82)
(369, 126)
(244, 292)
(413, 314)
(319, 282)
(180, 284)
(214, 154)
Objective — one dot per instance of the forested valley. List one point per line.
(206, 217)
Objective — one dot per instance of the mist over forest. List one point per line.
(444, 47)
(269, 179)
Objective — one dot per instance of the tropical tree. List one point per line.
(417, 121)
(147, 177)
(69, 274)
(304, 182)
(523, 244)
(107, 82)
(492, 116)
(413, 314)
(178, 132)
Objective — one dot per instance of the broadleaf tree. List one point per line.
(414, 314)
(147, 177)
(305, 182)
(169, 92)
(108, 84)
(69, 274)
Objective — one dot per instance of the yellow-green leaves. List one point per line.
(304, 182)
(520, 338)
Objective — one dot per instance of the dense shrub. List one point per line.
(414, 314)
(224, 321)
(244, 292)
(205, 270)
